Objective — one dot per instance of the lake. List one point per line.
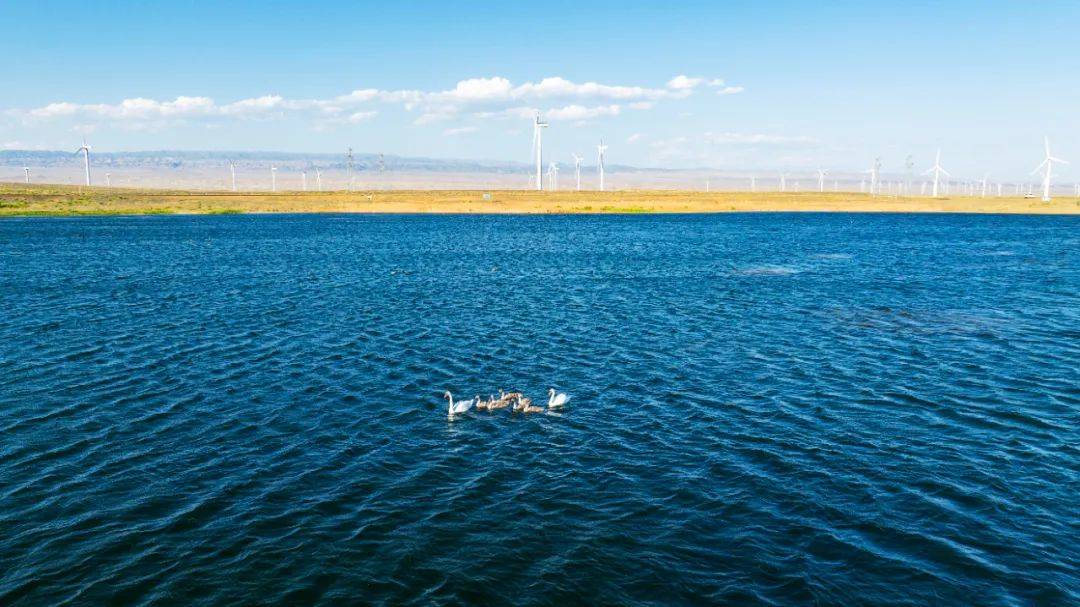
(765, 409)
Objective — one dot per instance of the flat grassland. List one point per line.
(54, 200)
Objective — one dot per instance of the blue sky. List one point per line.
(765, 85)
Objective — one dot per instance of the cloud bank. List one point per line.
(477, 97)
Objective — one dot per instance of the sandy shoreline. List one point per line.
(48, 200)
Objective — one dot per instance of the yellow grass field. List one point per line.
(23, 200)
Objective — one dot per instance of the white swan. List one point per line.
(556, 401)
(458, 407)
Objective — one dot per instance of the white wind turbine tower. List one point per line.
(273, 179)
(938, 172)
(27, 171)
(1047, 168)
(108, 180)
(753, 184)
(909, 166)
(985, 177)
(303, 180)
(85, 149)
(577, 170)
(821, 173)
(232, 175)
(783, 182)
(875, 173)
(600, 149)
(538, 148)
(318, 180)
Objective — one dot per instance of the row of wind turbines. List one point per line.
(553, 168)
(937, 185)
(1045, 169)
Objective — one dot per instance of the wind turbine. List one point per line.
(349, 167)
(108, 180)
(553, 176)
(85, 149)
(577, 170)
(753, 184)
(938, 172)
(303, 180)
(1047, 167)
(27, 171)
(318, 180)
(600, 149)
(783, 182)
(875, 172)
(821, 173)
(909, 164)
(232, 174)
(538, 148)
(273, 179)
(985, 177)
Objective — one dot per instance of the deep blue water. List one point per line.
(766, 409)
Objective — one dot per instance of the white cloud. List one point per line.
(523, 113)
(562, 88)
(569, 113)
(463, 130)
(580, 112)
(62, 108)
(477, 96)
(633, 138)
(11, 145)
(358, 117)
(437, 114)
(254, 106)
(730, 90)
(478, 89)
(684, 83)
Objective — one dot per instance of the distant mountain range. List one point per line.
(176, 160)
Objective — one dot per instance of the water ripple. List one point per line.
(767, 409)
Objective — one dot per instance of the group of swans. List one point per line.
(520, 402)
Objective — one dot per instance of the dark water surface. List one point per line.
(766, 409)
